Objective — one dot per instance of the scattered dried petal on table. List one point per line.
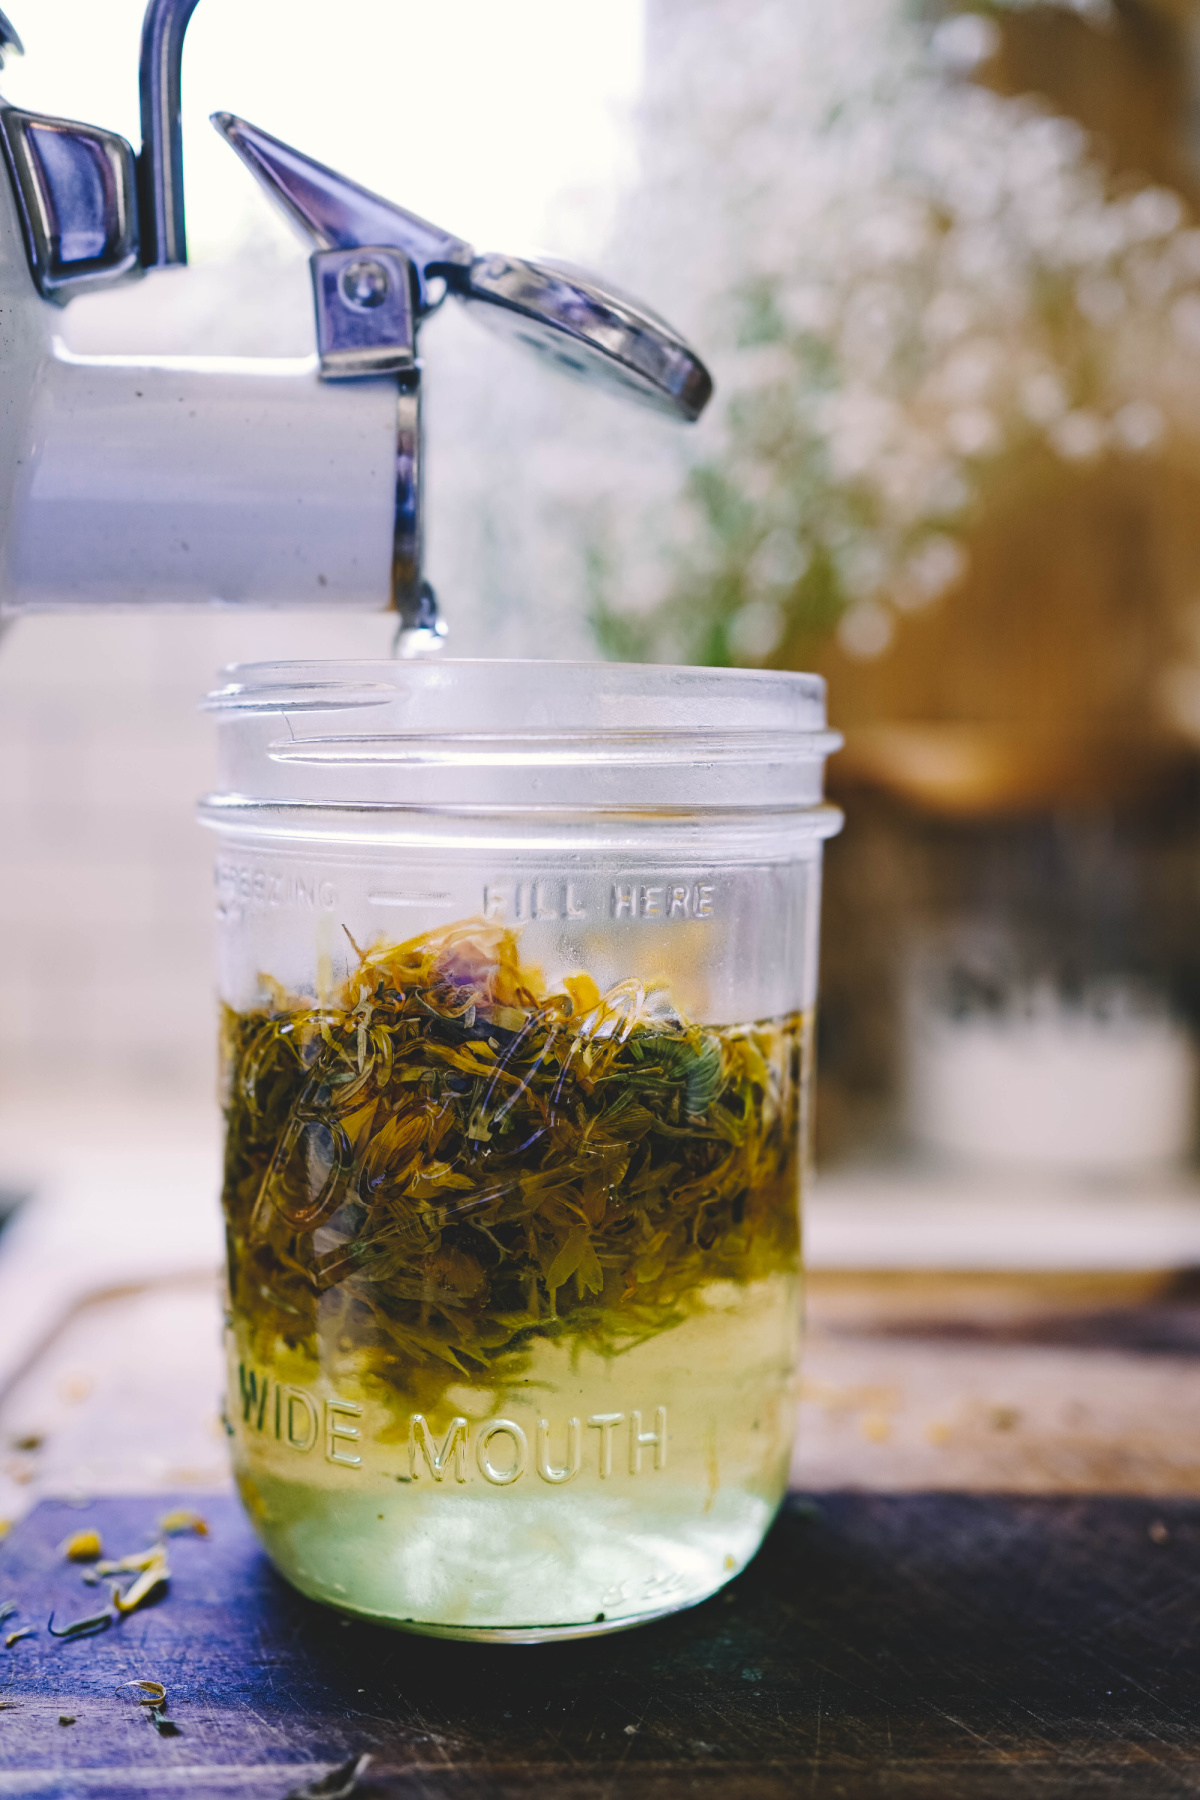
(149, 1693)
(154, 1575)
(83, 1546)
(129, 1565)
(174, 1524)
(89, 1627)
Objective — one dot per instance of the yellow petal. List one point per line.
(83, 1546)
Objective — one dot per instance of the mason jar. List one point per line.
(517, 965)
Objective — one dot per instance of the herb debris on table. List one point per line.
(153, 1696)
(181, 1520)
(83, 1546)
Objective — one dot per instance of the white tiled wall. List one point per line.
(105, 886)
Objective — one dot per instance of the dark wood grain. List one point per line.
(914, 1646)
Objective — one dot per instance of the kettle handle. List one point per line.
(160, 165)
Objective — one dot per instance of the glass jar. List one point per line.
(517, 963)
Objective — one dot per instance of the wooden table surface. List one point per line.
(990, 1585)
(917, 1645)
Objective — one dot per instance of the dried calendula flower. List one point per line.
(128, 1565)
(153, 1696)
(174, 1524)
(458, 1159)
(154, 1575)
(83, 1546)
(146, 1693)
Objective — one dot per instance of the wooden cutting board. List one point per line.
(920, 1645)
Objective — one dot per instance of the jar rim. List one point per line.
(526, 734)
(534, 696)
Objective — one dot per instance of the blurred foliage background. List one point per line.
(947, 265)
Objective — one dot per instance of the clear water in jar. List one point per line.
(514, 1290)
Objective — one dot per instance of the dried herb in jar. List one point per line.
(447, 1159)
